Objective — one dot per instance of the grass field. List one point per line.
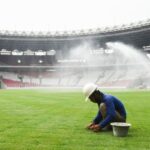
(43, 120)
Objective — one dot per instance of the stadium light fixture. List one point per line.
(19, 61)
(32, 33)
(48, 33)
(40, 61)
(40, 33)
(17, 53)
(51, 52)
(28, 52)
(15, 32)
(40, 53)
(6, 32)
(5, 52)
(23, 33)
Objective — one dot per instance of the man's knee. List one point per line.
(119, 118)
(103, 109)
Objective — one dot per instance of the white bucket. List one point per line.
(120, 128)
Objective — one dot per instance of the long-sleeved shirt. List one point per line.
(112, 105)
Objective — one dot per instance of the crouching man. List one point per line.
(110, 108)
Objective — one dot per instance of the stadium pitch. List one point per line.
(43, 120)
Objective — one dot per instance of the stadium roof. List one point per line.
(105, 30)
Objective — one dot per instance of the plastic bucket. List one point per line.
(120, 129)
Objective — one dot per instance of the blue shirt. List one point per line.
(112, 105)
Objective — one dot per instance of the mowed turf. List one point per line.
(43, 120)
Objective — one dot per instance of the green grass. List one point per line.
(42, 120)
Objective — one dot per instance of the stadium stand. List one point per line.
(29, 59)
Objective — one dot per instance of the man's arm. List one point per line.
(98, 118)
(95, 121)
(110, 113)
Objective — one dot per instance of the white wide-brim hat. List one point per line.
(88, 89)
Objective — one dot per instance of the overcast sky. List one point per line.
(52, 15)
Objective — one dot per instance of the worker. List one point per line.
(110, 108)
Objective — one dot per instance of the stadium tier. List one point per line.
(111, 57)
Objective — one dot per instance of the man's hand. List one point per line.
(96, 128)
(90, 126)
